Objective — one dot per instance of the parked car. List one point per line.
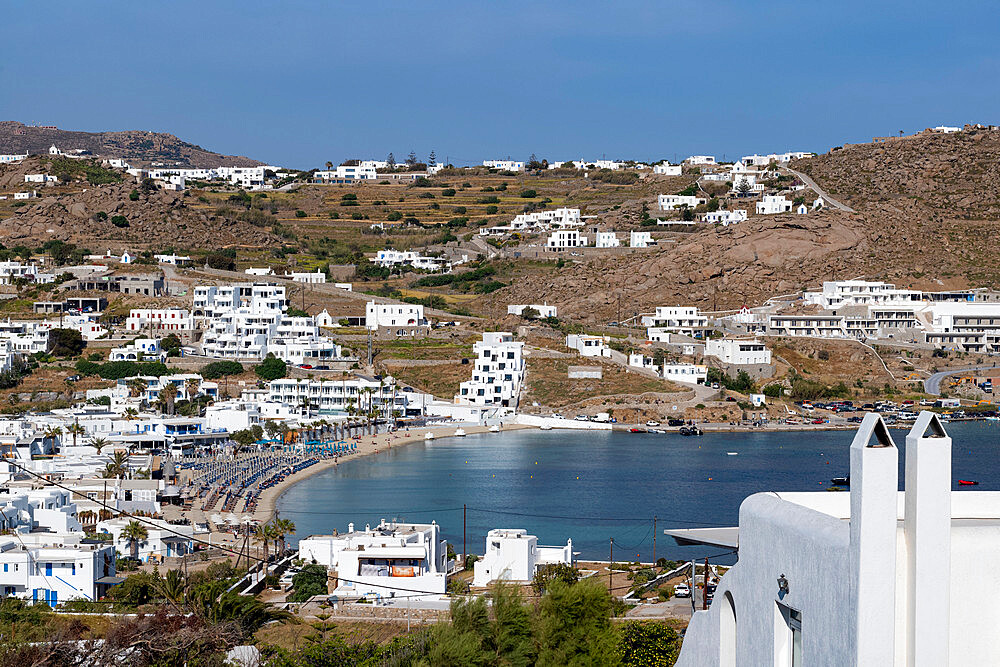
(582, 418)
(682, 591)
(675, 422)
(652, 423)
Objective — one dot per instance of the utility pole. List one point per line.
(694, 587)
(465, 555)
(654, 540)
(611, 560)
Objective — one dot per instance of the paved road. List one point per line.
(932, 385)
(830, 201)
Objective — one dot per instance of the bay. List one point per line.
(594, 486)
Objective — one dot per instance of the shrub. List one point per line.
(220, 261)
(393, 216)
(349, 197)
(218, 369)
(66, 343)
(448, 192)
(271, 368)
(488, 200)
(492, 210)
(528, 194)
(134, 195)
(119, 221)
(300, 214)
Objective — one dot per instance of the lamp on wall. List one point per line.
(782, 585)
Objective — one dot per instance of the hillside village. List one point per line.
(203, 334)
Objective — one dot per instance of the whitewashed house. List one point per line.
(771, 204)
(497, 373)
(504, 165)
(672, 202)
(667, 169)
(725, 218)
(140, 349)
(685, 373)
(686, 320)
(513, 555)
(738, 351)
(378, 562)
(606, 240)
(380, 315)
(639, 239)
(588, 346)
(313, 278)
(700, 160)
(544, 310)
(164, 540)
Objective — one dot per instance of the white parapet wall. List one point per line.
(557, 422)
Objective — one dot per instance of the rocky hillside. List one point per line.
(948, 174)
(84, 210)
(926, 213)
(137, 146)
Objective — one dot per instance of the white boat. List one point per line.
(460, 432)
(428, 436)
(495, 428)
(545, 427)
(732, 453)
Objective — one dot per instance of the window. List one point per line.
(787, 637)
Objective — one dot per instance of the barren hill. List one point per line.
(137, 146)
(927, 209)
(83, 207)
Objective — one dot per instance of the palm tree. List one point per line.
(131, 413)
(134, 532)
(99, 443)
(192, 386)
(169, 394)
(136, 387)
(118, 466)
(75, 429)
(172, 586)
(264, 534)
(283, 527)
(53, 432)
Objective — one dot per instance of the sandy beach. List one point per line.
(367, 445)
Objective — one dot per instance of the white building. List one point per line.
(686, 320)
(386, 561)
(561, 239)
(513, 555)
(771, 204)
(875, 576)
(11, 271)
(701, 160)
(667, 169)
(725, 218)
(685, 373)
(606, 240)
(25, 337)
(259, 271)
(359, 172)
(637, 239)
(11, 157)
(738, 351)
(379, 315)
(160, 321)
(671, 202)
(336, 397)
(40, 178)
(497, 374)
(838, 293)
(390, 258)
(504, 165)
(173, 259)
(588, 346)
(543, 310)
(314, 278)
(140, 349)
(164, 540)
(30, 194)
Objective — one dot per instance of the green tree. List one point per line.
(134, 533)
(271, 368)
(644, 644)
(66, 343)
(574, 625)
(309, 582)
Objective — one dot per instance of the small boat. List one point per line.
(968, 482)
(495, 428)
(429, 436)
(732, 453)
(656, 430)
(546, 427)
(841, 481)
(460, 432)
(637, 430)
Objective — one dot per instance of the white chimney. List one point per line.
(927, 528)
(874, 490)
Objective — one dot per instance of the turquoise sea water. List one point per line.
(594, 486)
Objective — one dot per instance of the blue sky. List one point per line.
(300, 83)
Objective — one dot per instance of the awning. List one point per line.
(728, 537)
(111, 581)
